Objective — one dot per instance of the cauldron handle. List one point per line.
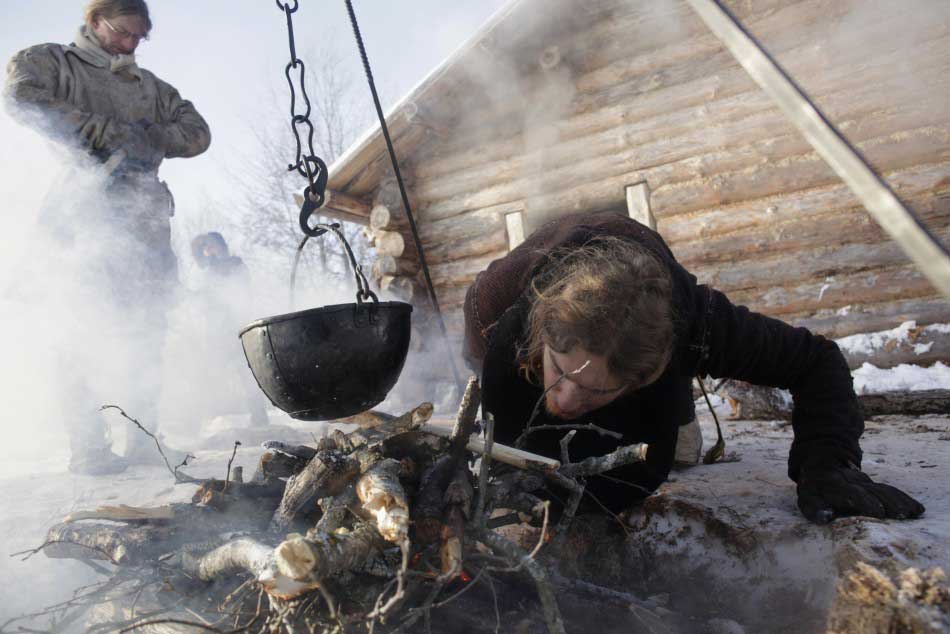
(318, 229)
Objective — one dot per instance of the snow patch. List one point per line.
(869, 379)
(868, 343)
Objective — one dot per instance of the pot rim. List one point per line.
(332, 308)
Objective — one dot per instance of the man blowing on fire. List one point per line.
(111, 212)
(593, 314)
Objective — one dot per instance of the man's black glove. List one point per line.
(827, 490)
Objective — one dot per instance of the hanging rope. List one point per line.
(402, 191)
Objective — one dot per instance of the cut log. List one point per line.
(247, 555)
(327, 474)
(120, 545)
(457, 504)
(340, 206)
(396, 267)
(404, 288)
(321, 555)
(382, 218)
(383, 496)
(870, 601)
(395, 244)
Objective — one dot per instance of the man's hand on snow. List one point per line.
(828, 491)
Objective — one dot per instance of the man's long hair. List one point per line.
(611, 297)
(114, 8)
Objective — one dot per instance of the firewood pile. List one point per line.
(386, 528)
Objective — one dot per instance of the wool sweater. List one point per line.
(712, 336)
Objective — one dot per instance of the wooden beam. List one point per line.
(918, 243)
(340, 206)
(515, 223)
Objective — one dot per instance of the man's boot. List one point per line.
(90, 447)
(97, 461)
(141, 450)
(689, 444)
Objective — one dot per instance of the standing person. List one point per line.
(593, 315)
(110, 216)
(225, 295)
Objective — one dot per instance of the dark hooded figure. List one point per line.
(225, 295)
(593, 316)
(112, 235)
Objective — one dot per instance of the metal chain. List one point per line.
(307, 163)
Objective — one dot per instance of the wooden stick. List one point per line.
(123, 513)
(502, 453)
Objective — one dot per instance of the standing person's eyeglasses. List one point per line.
(125, 34)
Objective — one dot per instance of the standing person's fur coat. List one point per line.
(108, 215)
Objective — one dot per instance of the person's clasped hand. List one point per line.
(827, 490)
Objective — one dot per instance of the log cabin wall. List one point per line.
(564, 105)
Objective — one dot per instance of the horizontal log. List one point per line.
(493, 240)
(451, 297)
(389, 265)
(872, 317)
(802, 234)
(461, 272)
(917, 403)
(897, 150)
(820, 267)
(680, 195)
(660, 141)
(755, 157)
(877, 285)
(757, 402)
(594, 113)
(910, 183)
(661, 120)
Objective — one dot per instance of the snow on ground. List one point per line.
(870, 380)
(906, 452)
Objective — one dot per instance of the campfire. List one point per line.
(387, 528)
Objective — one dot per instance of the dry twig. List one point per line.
(179, 478)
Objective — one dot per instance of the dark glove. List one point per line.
(828, 490)
(138, 142)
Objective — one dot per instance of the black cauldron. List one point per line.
(330, 362)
